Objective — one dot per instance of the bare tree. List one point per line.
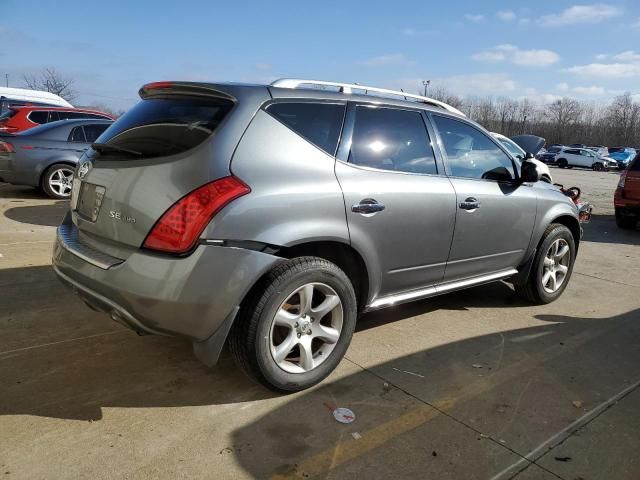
(50, 80)
(564, 113)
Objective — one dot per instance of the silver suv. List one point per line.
(267, 218)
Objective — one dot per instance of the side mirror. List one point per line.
(529, 156)
(529, 172)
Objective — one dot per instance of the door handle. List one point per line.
(367, 206)
(470, 203)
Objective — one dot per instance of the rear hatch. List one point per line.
(166, 146)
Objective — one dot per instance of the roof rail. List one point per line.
(348, 87)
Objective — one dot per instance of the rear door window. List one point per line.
(319, 123)
(77, 135)
(93, 131)
(392, 139)
(39, 117)
(157, 127)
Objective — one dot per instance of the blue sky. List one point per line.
(542, 49)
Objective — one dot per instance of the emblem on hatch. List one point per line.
(84, 169)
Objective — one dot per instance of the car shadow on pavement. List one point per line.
(454, 411)
(49, 215)
(60, 359)
(603, 229)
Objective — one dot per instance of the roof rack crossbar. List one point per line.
(348, 88)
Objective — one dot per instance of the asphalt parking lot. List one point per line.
(475, 384)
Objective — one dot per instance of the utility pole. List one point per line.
(426, 86)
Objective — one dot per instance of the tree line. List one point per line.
(564, 121)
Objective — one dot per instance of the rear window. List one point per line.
(319, 123)
(157, 127)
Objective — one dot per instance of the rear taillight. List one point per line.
(6, 147)
(178, 229)
(623, 177)
(157, 86)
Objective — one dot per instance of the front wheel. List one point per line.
(598, 167)
(296, 324)
(562, 163)
(57, 181)
(552, 266)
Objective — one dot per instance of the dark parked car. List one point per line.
(267, 217)
(46, 156)
(550, 155)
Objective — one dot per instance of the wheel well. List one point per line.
(44, 170)
(343, 255)
(572, 224)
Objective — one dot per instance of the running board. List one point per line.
(399, 298)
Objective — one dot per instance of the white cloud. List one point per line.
(563, 87)
(607, 70)
(395, 59)
(506, 15)
(474, 18)
(513, 54)
(592, 90)
(628, 56)
(581, 14)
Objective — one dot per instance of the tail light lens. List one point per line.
(623, 177)
(6, 147)
(178, 229)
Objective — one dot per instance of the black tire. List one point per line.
(562, 163)
(250, 336)
(624, 222)
(598, 167)
(532, 289)
(45, 182)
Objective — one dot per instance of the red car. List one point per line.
(627, 196)
(20, 118)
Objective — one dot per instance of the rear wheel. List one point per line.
(624, 222)
(58, 180)
(296, 325)
(562, 163)
(552, 266)
(598, 167)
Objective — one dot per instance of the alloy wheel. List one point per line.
(61, 181)
(556, 265)
(306, 328)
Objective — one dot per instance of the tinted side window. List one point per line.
(39, 117)
(96, 116)
(470, 153)
(391, 139)
(92, 132)
(77, 135)
(53, 116)
(320, 123)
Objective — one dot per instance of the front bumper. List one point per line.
(188, 297)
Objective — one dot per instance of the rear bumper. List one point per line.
(190, 297)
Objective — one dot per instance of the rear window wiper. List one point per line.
(105, 147)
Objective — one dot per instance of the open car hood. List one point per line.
(529, 143)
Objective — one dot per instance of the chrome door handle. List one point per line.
(470, 203)
(366, 206)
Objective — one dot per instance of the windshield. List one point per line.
(164, 126)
